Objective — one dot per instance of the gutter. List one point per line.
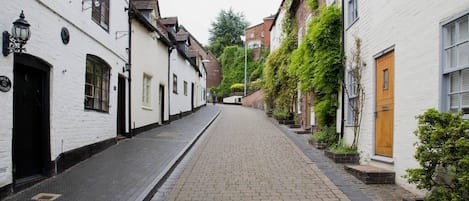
(342, 54)
(129, 63)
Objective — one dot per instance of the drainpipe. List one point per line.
(129, 67)
(170, 49)
(342, 53)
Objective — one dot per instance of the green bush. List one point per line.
(237, 87)
(327, 135)
(443, 154)
(281, 115)
(341, 148)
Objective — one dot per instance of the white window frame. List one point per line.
(352, 11)
(352, 96)
(449, 69)
(146, 90)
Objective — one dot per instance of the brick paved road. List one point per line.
(245, 157)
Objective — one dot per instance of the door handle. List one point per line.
(385, 108)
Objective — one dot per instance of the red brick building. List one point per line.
(258, 36)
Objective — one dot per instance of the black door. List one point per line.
(192, 99)
(162, 103)
(31, 152)
(121, 106)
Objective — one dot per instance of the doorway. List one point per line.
(384, 105)
(121, 106)
(161, 96)
(31, 140)
(192, 97)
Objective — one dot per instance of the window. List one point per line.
(352, 97)
(251, 35)
(100, 13)
(352, 11)
(97, 84)
(185, 88)
(146, 90)
(456, 65)
(175, 84)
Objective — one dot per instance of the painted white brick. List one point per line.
(71, 126)
(413, 27)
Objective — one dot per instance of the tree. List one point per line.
(226, 31)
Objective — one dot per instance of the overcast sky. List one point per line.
(197, 15)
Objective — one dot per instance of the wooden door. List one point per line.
(30, 124)
(384, 111)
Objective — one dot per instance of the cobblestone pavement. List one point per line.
(347, 183)
(245, 157)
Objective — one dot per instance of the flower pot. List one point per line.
(343, 158)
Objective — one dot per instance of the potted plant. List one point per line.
(341, 153)
(318, 140)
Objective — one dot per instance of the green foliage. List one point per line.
(442, 152)
(281, 115)
(280, 85)
(317, 63)
(226, 31)
(327, 135)
(232, 62)
(312, 5)
(341, 148)
(237, 87)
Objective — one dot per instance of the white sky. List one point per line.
(197, 15)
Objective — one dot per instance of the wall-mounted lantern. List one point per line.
(19, 36)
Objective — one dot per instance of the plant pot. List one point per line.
(343, 158)
(317, 145)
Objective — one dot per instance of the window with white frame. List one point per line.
(146, 90)
(352, 11)
(100, 13)
(352, 97)
(175, 84)
(456, 64)
(97, 84)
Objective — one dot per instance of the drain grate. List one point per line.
(45, 197)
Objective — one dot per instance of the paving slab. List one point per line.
(130, 169)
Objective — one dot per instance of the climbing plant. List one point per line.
(280, 85)
(317, 63)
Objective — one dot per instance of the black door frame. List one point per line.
(162, 106)
(192, 99)
(30, 61)
(121, 105)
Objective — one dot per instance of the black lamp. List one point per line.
(19, 36)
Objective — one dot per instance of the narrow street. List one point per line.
(243, 156)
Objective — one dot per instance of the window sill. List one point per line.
(147, 108)
(382, 159)
(351, 24)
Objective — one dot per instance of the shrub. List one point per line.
(281, 115)
(237, 87)
(442, 151)
(327, 135)
(341, 148)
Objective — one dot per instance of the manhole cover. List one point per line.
(45, 197)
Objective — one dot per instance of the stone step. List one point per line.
(301, 131)
(370, 174)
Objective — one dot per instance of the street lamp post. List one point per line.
(244, 38)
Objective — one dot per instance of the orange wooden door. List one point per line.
(384, 105)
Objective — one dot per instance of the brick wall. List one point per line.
(255, 100)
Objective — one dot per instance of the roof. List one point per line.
(182, 36)
(162, 32)
(170, 21)
(276, 15)
(255, 26)
(145, 4)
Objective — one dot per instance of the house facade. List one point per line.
(64, 88)
(258, 36)
(416, 56)
(150, 67)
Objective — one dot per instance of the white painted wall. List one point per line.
(276, 35)
(184, 72)
(71, 126)
(413, 27)
(149, 56)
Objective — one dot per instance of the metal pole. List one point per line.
(245, 61)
